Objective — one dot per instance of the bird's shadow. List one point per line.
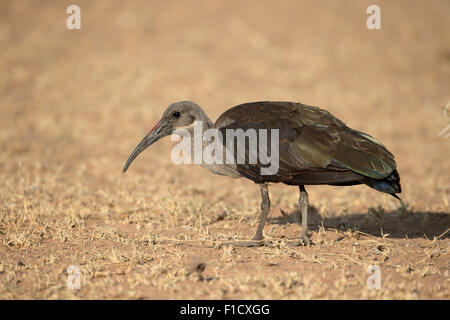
(400, 223)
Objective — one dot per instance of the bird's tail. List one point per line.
(390, 184)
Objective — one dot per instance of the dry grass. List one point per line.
(74, 104)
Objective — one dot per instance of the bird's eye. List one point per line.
(176, 114)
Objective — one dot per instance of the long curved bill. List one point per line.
(159, 131)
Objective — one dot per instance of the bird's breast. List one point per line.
(228, 170)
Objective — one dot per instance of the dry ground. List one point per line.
(75, 103)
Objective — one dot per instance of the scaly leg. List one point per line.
(303, 203)
(265, 208)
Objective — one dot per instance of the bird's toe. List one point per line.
(302, 242)
(250, 243)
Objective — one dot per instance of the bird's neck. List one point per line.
(200, 126)
(195, 134)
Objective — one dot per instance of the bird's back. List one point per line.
(315, 147)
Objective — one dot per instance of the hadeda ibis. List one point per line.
(314, 148)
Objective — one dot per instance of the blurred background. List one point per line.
(83, 98)
(74, 103)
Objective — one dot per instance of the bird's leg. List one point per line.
(303, 203)
(265, 208)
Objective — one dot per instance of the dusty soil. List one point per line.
(74, 103)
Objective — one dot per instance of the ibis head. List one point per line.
(178, 115)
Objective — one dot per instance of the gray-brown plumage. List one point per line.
(314, 148)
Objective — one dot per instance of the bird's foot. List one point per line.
(304, 241)
(255, 242)
(248, 243)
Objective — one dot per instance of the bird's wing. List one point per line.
(310, 140)
(363, 154)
